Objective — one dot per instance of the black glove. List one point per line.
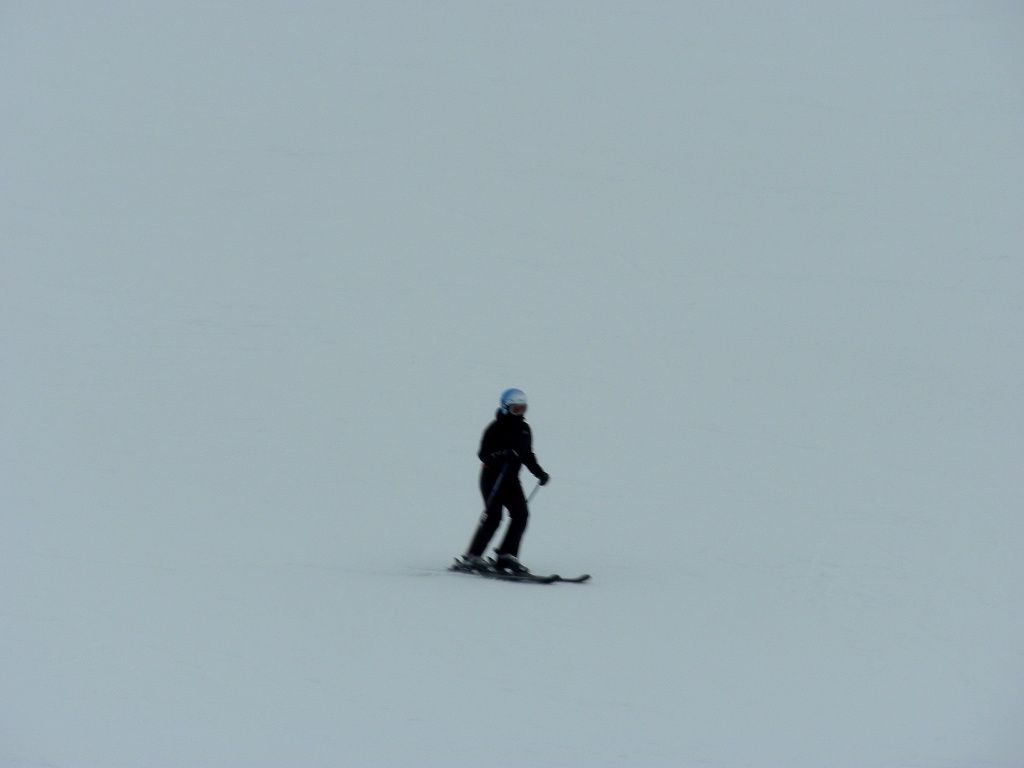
(544, 478)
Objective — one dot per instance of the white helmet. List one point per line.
(513, 402)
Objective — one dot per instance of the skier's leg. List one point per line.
(489, 520)
(519, 513)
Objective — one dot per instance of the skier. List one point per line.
(507, 444)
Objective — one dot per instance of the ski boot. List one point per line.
(471, 564)
(509, 564)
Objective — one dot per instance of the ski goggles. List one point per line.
(517, 409)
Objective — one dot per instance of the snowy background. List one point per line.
(266, 267)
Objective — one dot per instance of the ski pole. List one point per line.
(533, 492)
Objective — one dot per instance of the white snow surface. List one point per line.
(267, 266)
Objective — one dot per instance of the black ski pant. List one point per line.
(509, 496)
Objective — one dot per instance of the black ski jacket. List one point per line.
(508, 431)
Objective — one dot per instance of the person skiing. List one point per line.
(506, 445)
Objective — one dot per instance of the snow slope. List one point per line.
(266, 267)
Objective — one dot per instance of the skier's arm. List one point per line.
(530, 462)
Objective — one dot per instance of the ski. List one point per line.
(530, 578)
(573, 579)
